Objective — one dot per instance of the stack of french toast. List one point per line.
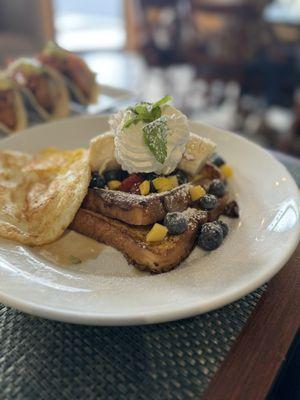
(155, 220)
(149, 187)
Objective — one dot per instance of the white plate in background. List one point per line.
(109, 97)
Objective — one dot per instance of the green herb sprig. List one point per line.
(155, 136)
(74, 259)
(146, 112)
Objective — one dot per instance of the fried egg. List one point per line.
(40, 194)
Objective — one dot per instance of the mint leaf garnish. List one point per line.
(74, 259)
(155, 137)
(146, 112)
(142, 110)
(162, 101)
(133, 120)
(156, 113)
(155, 132)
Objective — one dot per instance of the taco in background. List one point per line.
(80, 80)
(44, 90)
(13, 115)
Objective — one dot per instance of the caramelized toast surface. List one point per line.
(155, 257)
(131, 239)
(135, 209)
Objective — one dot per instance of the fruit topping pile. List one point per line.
(205, 198)
(142, 183)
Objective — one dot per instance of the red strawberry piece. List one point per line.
(135, 188)
(130, 181)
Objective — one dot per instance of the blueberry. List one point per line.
(211, 236)
(217, 160)
(223, 226)
(181, 176)
(148, 176)
(123, 175)
(93, 182)
(113, 175)
(152, 187)
(176, 223)
(217, 188)
(208, 202)
(97, 181)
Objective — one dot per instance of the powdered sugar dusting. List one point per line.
(188, 156)
(119, 197)
(194, 216)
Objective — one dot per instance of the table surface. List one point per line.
(45, 359)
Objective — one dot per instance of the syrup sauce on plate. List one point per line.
(72, 248)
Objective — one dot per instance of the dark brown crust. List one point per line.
(232, 209)
(131, 240)
(145, 210)
(122, 220)
(135, 209)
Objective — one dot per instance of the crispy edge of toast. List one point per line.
(135, 209)
(131, 240)
(144, 210)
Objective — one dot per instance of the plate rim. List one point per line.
(162, 314)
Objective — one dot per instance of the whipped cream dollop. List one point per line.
(132, 151)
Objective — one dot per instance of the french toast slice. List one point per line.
(145, 210)
(155, 257)
(135, 209)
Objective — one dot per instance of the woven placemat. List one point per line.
(42, 359)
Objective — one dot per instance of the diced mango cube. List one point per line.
(165, 188)
(173, 181)
(162, 184)
(114, 184)
(157, 233)
(197, 192)
(145, 188)
(226, 170)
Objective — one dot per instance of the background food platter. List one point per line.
(110, 98)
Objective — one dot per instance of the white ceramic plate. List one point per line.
(108, 291)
